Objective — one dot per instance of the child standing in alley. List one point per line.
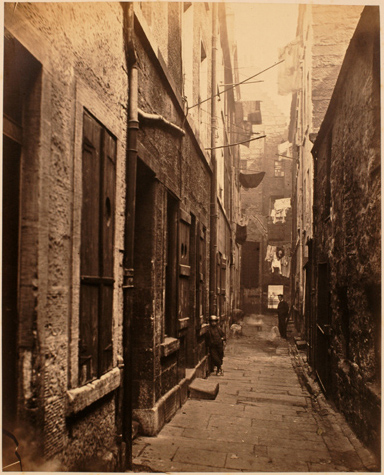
(216, 341)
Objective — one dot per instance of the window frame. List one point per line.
(97, 270)
(87, 98)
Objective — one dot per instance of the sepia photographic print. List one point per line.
(191, 237)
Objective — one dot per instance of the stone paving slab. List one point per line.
(291, 434)
(274, 398)
(216, 407)
(209, 458)
(260, 414)
(154, 452)
(314, 455)
(168, 431)
(347, 458)
(163, 466)
(291, 443)
(265, 464)
(191, 420)
(220, 420)
(326, 467)
(283, 427)
(238, 435)
(221, 446)
(262, 420)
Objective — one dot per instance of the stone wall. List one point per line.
(81, 53)
(332, 29)
(177, 169)
(348, 232)
(325, 32)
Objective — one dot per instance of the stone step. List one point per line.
(301, 344)
(135, 429)
(203, 389)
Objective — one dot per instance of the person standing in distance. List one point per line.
(283, 315)
(216, 340)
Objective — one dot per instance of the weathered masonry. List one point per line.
(118, 218)
(347, 237)
(322, 37)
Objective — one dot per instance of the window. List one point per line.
(201, 275)
(171, 262)
(204, 114)
(187, 51)
(184, 264)
(223, 284)
(97, 246)
(279, 168)
(273, 292)
(221, 275)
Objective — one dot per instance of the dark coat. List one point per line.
(283, 309)
(215, 336)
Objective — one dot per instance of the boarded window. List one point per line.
(201, 274)
(184, 264)
(171, 269)
(221, 275)
(223, 283)
(97, 244)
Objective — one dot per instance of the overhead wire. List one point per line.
(237, 143)
(218, 93)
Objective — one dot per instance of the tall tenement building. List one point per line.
(120, 211)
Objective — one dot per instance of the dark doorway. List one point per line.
(250, 265)
(10, 265)
(323, 329)
(250, 276)
(21, 71)
(144, 249)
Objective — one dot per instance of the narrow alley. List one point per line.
(263, 419)
(169, 168)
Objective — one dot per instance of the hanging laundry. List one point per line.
(271, 251)
(288, 72)
(282, 203)
(286, 266)
(276, 264)
(251, 180)
(280, 252)
(279, 211)
(241, 234)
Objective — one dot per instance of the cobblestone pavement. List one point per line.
(263, 419)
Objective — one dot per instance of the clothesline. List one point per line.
(280, 261)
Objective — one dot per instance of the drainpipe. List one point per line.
(130, 205)
(213, 217)
(161, 121)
